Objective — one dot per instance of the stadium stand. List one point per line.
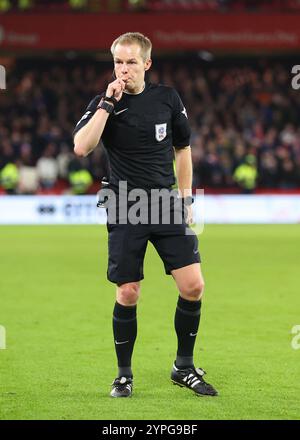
(240, 112)
(116, 6)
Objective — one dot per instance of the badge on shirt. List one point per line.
(160, 131)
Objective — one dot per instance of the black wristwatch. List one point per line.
(106, 106)
(111, 99)
(188, 200)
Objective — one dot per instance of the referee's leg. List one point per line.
(190, 283)
(125, 325)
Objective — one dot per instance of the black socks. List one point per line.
(125, 331)
(187, 318)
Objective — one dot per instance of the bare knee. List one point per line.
(193, 290)
(128, 294)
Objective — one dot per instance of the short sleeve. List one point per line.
(89, 112)
(181, 131)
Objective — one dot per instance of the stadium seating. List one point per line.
(116, 6)
(236, 107)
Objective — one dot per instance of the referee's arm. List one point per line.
(87, 138)
(184, 170)
(89, 129)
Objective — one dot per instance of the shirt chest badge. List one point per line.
(160, 131)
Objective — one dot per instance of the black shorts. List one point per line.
(127, 245)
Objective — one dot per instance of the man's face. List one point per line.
(130, 66)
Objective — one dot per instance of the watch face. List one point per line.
(111, 99)
(188, 200)
(106, 106)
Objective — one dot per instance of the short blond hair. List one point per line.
(134, 38)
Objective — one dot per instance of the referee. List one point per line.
(142, 127)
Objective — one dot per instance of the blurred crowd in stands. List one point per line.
(117, 6)
(244, 116)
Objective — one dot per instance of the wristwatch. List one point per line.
(110, 99)
(188, 200)
(106, 106)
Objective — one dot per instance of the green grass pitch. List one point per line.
(56, 306)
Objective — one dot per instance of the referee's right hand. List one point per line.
(116, 89)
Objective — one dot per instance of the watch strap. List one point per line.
(111, 99)
(105, 106)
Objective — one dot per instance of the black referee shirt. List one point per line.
(140, 134)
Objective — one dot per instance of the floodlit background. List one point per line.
(235, 64)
